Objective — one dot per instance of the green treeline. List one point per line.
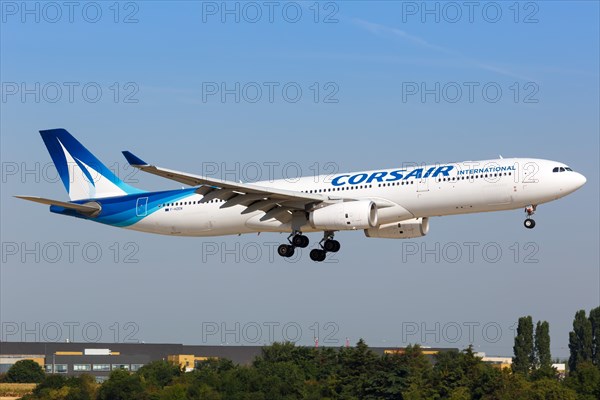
(285, 371)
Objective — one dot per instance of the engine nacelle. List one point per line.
(350, 215)
(408, 229)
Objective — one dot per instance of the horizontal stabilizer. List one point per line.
(88, 208)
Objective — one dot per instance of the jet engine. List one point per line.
(350, 215)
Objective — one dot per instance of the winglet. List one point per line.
(133, 159)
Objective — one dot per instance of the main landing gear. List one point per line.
(529, 222)
(328, 244)
(296, 239)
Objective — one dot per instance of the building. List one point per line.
(499, 362)
(99, 359)
(506, 362)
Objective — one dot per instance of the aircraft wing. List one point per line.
(275, 202)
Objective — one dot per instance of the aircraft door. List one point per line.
(141, 207)
(423, 185)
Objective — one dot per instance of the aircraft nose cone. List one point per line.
(579, 180)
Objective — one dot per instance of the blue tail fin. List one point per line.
(83, 175)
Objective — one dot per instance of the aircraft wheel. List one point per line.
(529, 223)
(285, 250)
(332, 245)
(300, 241)
(318, 255)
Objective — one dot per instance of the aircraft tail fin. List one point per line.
(84, 176)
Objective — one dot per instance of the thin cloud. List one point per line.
(382, 29)
(379, 29)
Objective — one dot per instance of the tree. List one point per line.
(356, 367)
(159, 373)
(175, 392)
(121, 386)
(524, 358)
(580, 340)
(82, 387)
(399, 375)
(542, 348)
(54, 386)
(50, 382)
(585, 381)
(550, 389)
(25, 371)
(595, 321)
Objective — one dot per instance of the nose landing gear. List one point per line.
(529, 222)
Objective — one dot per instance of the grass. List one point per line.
(15, 389)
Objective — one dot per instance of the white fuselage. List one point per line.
(470, 187)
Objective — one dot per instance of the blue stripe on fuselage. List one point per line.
(122, 211)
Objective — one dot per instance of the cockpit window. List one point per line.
(561, 169)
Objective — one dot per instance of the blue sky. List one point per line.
(362, 61)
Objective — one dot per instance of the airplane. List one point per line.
(392, 203)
